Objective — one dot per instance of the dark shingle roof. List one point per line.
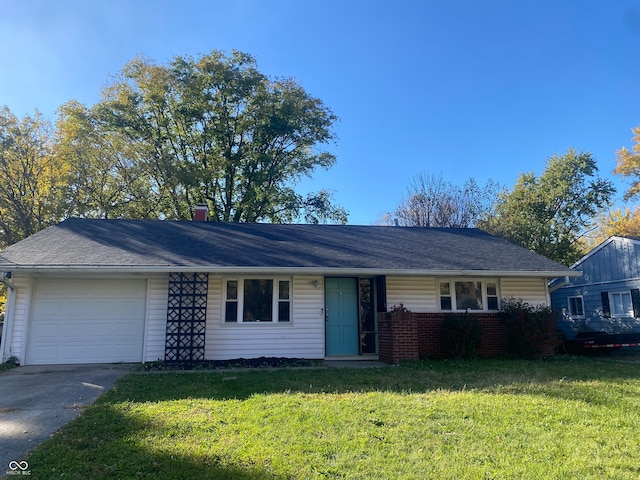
(151, 245)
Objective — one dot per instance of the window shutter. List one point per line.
(606, 310)
(635, 299)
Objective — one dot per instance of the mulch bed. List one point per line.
(262, 362)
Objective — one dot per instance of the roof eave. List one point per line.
(234, 270)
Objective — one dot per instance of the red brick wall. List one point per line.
(410, 336)
(398, 337)
(493, 339)
(430, 334)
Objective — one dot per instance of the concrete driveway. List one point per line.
(35, 401)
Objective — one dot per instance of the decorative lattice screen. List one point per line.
(186, 317)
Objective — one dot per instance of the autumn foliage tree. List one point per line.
(32, 177)
(628, 165)
(623, 221)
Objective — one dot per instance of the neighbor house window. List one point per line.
(576, 307)
(468, 295)
(251, 300)
(621, 304)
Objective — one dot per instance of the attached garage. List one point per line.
(86, 321)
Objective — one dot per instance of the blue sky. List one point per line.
(459, 88)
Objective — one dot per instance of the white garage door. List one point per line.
(86, 321)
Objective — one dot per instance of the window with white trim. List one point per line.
(621, 304)
(475, 295)
(253, 300)
(576, 306)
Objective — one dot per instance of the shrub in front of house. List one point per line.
(460, 335)
(531, 328)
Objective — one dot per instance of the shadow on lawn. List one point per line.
(81, 452)
(106, 442)
(499, 376)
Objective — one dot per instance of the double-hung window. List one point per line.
(576, 307)
(621, 304)
(477, 295)
(251, 300)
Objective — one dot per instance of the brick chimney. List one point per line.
(201, 213)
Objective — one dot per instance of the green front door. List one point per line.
(341, 304)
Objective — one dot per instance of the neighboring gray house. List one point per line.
(89, 291)
(606, 297)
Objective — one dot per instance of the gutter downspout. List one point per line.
(8, 316)
(558, 286)
(7, 283)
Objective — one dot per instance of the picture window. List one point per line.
(257, 300)
(473, 295)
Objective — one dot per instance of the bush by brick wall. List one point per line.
(411, 336)
(493, 339)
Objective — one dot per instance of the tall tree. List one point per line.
(550, 213)
(625, 223)
(628, 165)
(618, 221)
(215, 130)
(432, 202)
(103, 180)
(32, 178)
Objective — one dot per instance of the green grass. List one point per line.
(565, 418)
(7, 366)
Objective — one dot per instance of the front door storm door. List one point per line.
(186, 317)
(341, 315)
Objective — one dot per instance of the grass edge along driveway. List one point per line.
(562, 418)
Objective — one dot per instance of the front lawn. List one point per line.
(564, 418)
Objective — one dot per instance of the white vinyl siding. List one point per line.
(16, 330)
(418, 294)
(303, 337)
(156, 318)
(530, 290)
